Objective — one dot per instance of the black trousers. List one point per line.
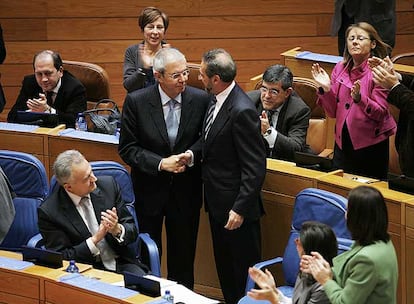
(235, 251)
(371, 161)
(181, 230)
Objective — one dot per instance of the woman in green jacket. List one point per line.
(368, 273)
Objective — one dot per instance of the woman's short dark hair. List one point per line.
(316, 236)
(150, 14)
(367, 216)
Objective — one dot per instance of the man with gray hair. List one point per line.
(86, 219)
(159, 124)
(283, 114)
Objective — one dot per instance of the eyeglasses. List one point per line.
(359, 38)
(272, 92)
(150, 27)
(177, 75)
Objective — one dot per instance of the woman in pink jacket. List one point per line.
(363, 121)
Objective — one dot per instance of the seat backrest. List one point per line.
(193, 80)
(404, 58)
(94, 78)
(316, 136)
(314, 205)
(28, 179)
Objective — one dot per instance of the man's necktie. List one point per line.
(49, 98)
(210, 115)
(270, 114)
(172, 122)
(106, 253)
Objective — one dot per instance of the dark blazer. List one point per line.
(234, 160)
(379, 13)
(306, 292)
(70, 100)
(402, 96)
(144, 142)
(63, 229)
(292, 126)
(2, 57)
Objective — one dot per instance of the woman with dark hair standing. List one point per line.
(363, 120)
(138, 57)
(314, 236)
(368, 273)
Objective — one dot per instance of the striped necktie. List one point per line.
(210, 116)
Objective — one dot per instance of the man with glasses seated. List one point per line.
(283, 114)
(50, 90)
(159, 124)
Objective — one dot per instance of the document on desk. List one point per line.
(319, 57)
(180, 292)
(99, 137)
(97, 286)
(17, 127)
(14, 264)
(187, 296)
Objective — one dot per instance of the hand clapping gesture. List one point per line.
(321, 77)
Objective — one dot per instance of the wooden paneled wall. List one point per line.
(99, 31)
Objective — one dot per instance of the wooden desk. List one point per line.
(38, 284)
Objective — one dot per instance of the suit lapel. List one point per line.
(186, 113)
(71, 213)
(157, 114)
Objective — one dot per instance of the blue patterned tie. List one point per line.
(210, 115)
(172, 122)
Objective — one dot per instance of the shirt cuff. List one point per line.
(271, 137)
(92, 247)
(120, 237)
(191, 163)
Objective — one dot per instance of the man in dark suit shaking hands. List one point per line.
(233, 170)
(159, 123)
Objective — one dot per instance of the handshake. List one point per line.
(177, 163)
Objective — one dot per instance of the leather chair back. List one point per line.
(93, 77)
(193, 77)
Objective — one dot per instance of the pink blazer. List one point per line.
(369, 121)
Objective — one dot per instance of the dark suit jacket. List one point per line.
(144, 142)
(2, 57)
(292, 126)
(402, 96)
(63, 229)
(70, 100)
(234, 160)
(379, 13)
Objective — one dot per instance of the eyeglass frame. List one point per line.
(272, 92)
(177, 75)
(360, 38)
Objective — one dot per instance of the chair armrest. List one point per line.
(326, 153)
(35, 241)
(154, 256)
(260, 265)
